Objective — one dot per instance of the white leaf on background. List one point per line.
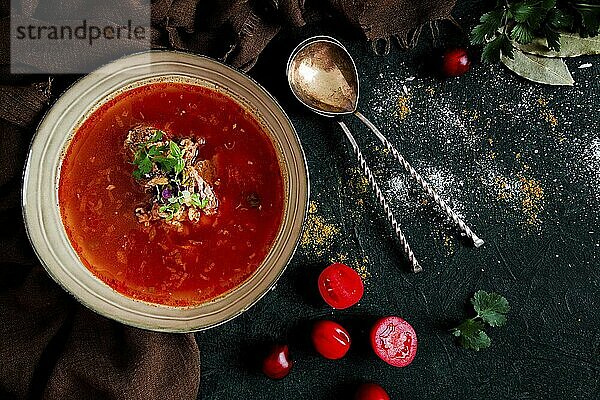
(571, 45)
(549, 71)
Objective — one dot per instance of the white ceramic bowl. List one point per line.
(42, 172)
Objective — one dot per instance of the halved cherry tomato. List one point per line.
(394, 341)
(371, 391)
(340, 286)
(330, 339)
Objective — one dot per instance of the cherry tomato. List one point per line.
(330, 339)
(371, 391)
(394, 341)
(340, 286)
(455, 62)
(277, 364)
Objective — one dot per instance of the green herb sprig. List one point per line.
(168, 157)
(491, 309)
(523, 21)
(174, 203)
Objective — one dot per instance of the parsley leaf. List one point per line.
(489, 24)
(522, 21)
(184, 198)
(522, 33)
(144, 166)
(179, 165)
(552, 38)
(492, 50)
(490, 307)
(168, 158)
(523, 11)
(588, 16)
(471, 335)
(195, 200)
(559, 19)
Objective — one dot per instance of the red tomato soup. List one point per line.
(154, 261)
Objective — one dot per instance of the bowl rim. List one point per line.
(289, 133)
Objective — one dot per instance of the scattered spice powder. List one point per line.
(382, 150)
(549, 117)
(472, 114)
(363, 272)
(440, 119)
(527, 191)
(505, 190)
(546, 113)
(449, 244)
(532, 199)
(318, 235)
(403, 107)
(341, 258)
(359, 190)
(358, 181)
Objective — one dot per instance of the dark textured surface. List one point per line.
(520, 161)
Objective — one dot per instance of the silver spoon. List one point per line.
(323, 76)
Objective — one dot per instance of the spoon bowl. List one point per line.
(323, 76)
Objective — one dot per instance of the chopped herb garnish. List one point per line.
(171, 209)
(186, 198)
(168, 157)
(158, 135)
(161, 166)
(144, 166)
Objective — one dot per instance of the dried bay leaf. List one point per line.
(549, 71)
(571, 45)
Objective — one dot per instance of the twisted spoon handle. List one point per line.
(417, 177)
(415, 266)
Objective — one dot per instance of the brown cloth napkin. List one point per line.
(237, 31)
(50, 346)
